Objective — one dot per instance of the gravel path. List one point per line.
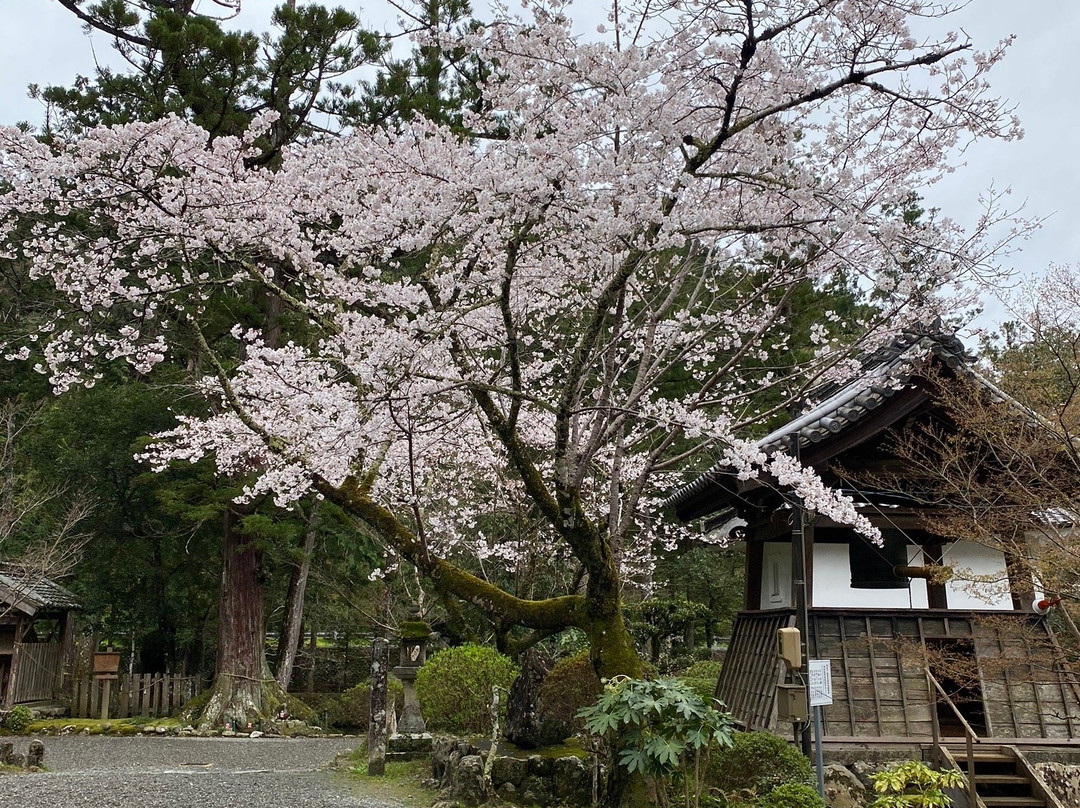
(110, 772)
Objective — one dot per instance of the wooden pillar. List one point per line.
(936, 595)
(16, 656)
(66, 674)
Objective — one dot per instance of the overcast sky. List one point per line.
(41, 42)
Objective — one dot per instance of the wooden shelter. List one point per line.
(36, 635)
(893, 640)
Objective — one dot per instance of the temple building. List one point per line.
(910, 644)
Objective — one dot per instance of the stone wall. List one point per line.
(540, 780)
(1062, 779)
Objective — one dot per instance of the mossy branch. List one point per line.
(552, 613)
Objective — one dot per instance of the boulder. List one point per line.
(524, 726)
(571, 780)
(7, 752)
(36, 754)
(467, 781)
(540, 766)
(863, 769)
(509, 770)
(842, 788)
(1062, 780)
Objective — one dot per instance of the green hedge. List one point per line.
(350, 710)
(454, 688)
(756, 764)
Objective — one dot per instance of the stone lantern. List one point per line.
(412, 738)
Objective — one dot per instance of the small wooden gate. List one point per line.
(141, 694)
(38, 674)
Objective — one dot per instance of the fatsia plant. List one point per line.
(661, 729)
(496, 309)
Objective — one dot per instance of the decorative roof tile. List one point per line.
(882, 374)
(30, 591)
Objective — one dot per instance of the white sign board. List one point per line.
(820, 682)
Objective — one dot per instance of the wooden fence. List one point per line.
(38, 675)
(148, 694)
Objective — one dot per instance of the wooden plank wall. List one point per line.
(38, 674)
(1027, 689)
(142, 694)
(751, 671)
(880, 688)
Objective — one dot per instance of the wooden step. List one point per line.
(1001, 779)
(1013, 802)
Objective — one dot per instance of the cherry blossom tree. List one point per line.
(570, 300)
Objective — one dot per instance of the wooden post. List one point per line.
(16, 658)
(106, 694)
(380, 663)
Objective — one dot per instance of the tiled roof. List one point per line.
(26, 588)
(883, 373)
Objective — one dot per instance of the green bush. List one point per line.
(570, 686)
(19, 718)
(454, 688)
(757, 762)
(661, 729)
(791, 795)
(701, 678)
(703, 669)
(914, 785)
(351, 709)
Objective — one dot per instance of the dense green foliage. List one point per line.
(571, 685)
(455, 688)
(19, 718)
(701, 677)
(755, 764)
(661, 729)
(791, 795)
(912, 784)
(351, 709)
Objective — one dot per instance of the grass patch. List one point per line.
(402, 781)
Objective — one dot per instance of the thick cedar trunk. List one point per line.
(289, 642)
(243, 690)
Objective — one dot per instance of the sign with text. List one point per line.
(819, 679)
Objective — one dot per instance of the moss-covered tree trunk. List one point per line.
(244, 691)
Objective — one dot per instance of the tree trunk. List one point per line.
(612, 651)
(313, 646)
(243, 691)
(289, 642)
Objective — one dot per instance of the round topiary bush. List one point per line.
(791, 795)
(454, 688)
(571, 685)
(757, 762)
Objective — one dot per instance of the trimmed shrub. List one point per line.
(454, 688)
(19, 718)
(351, 708)
(701, 678)
(570, 686)
(758, 762)
(791, 795)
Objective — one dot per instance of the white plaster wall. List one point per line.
(832, 583)
(980, 580)
(776, 575)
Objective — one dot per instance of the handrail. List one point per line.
(970, 737)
